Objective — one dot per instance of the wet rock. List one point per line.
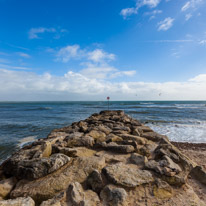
(21, 201)
(6, 186)
(114, 196)
(127, 175)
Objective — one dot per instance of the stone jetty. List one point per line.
(108, 159)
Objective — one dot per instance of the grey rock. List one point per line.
(199, 173)
(126, 175)
(36, 168)
(95, 181)
(138, 159)
(113, 196)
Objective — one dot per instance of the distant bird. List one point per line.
(160, 94)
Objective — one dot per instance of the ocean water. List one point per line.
(23, 122)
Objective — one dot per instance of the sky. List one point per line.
(73, 50)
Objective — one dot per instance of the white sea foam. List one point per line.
(26, 140)
(195, 132)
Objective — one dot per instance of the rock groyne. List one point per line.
(108, 159)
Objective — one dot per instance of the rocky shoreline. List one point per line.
(109, 159)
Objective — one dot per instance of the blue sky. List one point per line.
(89, 49)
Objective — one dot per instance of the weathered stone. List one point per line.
(113, 196)
(95, 181)
(57, 200)
(45, 188)
(176, 180)
(74, 152)
(162, 189)
(127, 175)
(155, 166)
(21, 201)
(138, 159)
(6, 186)
(97, 135)
(113, 147)
(34, 169)
(76, 196)
(86, 141)
(137, 139)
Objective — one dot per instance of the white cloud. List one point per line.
(150, 3)
(104, 71)
(33, 32)
(199, 78)
(75, 52)
(165, 24)
(98, 55)
(192, 4)
(69, 52)
(128, 12)
(140, 3)
(188, 16)
(21, 85)
(202, 42)
(22, 54)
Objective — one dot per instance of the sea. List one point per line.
(24, 122)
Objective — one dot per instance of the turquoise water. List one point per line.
(22, 122)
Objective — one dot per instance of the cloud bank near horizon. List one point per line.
(28, 86)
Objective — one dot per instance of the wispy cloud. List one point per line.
(4, 66)
(34, 32)
(202, 42)
(165, 24)
(192, 4)
(188, 16)
(126, 12)
(24, 55)
(171, 41)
